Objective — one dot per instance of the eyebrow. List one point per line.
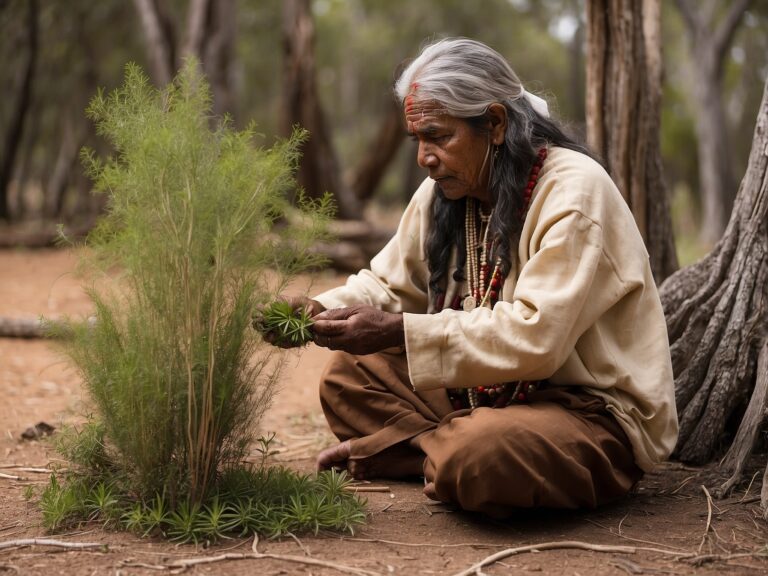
(428, 130)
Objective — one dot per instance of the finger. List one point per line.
(336, 314)
(313, 308)
(329, 327)
(326, 341)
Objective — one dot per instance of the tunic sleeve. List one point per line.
(397, 280)
(562, 290)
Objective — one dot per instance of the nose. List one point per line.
(425, 156)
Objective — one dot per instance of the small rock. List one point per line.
(39, 430)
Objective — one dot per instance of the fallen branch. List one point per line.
(566, 544)
(47, 542)
(367, 488)
(186, 563)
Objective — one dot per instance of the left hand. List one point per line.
(358, 329)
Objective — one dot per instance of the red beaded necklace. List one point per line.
(486, 290)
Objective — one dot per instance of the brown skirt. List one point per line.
(560, 449)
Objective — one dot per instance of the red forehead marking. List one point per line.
(417, 110)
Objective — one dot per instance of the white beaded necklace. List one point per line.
(477, 271)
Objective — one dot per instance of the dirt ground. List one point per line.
(650, 532)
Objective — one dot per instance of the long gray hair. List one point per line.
(465, 77)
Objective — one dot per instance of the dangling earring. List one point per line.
(494, 157)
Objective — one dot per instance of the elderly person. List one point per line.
(508, 343)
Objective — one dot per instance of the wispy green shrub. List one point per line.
(200, 229)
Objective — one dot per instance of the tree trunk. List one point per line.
(159, 40)
(319, 168)
(197, 24)
(13, 134)
(623, 109)
(380, 153)
(709, 43)
(55, 190)
(219, 57)
(717, 319)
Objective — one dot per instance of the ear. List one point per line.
(497, 116)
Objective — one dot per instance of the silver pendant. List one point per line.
(469, 304)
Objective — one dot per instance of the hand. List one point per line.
(309, 307)
(358, 329)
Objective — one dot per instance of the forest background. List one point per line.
(57, 54)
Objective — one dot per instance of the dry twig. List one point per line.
(604, 527)
(682, 484)
(426, 544)
(709, 517)
(561, 545)
(47, 542)
(746, 493)
(355, 488)
(188, 562)
(303, 548)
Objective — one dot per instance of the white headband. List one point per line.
(537, 103)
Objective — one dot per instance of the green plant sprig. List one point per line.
(289, 327)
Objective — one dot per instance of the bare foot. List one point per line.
(429, 491)
(334, 457)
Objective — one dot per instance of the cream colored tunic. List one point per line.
(581, 308)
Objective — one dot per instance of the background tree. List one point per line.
(358, 44)
(716, 317)
(27, 44)
(710, 26)
(208, 36)
(623, 114)
(319, 171)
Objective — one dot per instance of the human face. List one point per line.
(456, 154)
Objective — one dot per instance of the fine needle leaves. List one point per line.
(197, 231)
(289, 327)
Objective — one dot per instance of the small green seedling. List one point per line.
(289, 327)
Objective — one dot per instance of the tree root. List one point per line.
(716, 321)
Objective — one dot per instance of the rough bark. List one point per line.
(709, 41)
(750, 425)
(159, 40)
(380, 153)
(23, 98)
(319, 169)
(624, 69)
(716, 318)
